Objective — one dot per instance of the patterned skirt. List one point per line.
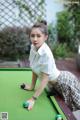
(68, 86)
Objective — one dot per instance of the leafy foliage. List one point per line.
(35, 10)
(61, 50)
(74, 9)
(14, 42)
(64, 27)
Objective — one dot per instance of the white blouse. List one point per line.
(42, 60)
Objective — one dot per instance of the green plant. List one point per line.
(14, 42)
(62, 51)
(68, 24)
(64, 27)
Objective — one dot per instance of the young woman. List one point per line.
(43, 67)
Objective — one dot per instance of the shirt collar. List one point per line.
(41, 49)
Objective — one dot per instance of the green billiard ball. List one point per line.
(25, 104)
(58, 117)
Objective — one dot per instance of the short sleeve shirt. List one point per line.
(42, 60)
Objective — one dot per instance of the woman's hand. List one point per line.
(26, 87)
(31, 102)
(32, 86)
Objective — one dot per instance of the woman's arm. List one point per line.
(44, 81)
(32, 85)
(34, 78)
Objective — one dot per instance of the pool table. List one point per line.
(12, 97)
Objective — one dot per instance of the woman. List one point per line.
(43, 67)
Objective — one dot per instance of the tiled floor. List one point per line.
(68, 64)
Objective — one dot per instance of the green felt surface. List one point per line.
(12, 98)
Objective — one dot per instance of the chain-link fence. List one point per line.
(21, 12)
(16, 17)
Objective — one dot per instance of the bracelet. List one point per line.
(35, 98)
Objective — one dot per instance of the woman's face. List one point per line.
(37, 37)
